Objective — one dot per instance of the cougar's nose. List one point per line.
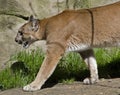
(16, 40)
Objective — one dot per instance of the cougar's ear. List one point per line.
(35, 25)
(31, 18)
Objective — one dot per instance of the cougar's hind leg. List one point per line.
(89, 59)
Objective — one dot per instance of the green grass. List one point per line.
(22, 71)
(25, 65)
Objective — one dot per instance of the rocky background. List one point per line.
(14, 12)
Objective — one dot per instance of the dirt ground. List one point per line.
(104, 87)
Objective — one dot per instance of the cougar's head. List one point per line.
(27, 34)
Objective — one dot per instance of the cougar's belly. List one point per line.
(77, 47)
(81, 47)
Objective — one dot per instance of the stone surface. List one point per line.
(104, 87)
(12, 12)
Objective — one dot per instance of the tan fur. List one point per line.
(72, 30)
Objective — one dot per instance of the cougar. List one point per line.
(72, 30)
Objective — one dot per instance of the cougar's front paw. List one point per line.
(30, 87)
(88, 81)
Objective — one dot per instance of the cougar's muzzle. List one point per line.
(25, 43)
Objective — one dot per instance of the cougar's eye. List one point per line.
(20, 32)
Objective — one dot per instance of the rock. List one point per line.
(76, 88)
(14, 13)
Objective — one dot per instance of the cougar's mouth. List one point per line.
(26, 44)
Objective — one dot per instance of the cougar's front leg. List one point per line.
(88, 57)
(53, 55)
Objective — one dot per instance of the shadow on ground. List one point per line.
(110, 70)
